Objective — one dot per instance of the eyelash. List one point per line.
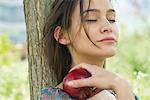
(113, 21)
(92, 20)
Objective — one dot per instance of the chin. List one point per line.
(107, 53)
(110, 55)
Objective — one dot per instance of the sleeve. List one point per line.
(51, 93)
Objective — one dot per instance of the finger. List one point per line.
(100, 83)
(80, 83)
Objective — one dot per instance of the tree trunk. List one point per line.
(39, 72)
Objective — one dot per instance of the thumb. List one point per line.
(99, 83)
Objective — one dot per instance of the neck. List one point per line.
(76, 59)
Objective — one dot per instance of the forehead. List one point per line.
(101, 5)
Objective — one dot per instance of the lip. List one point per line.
(107, 39)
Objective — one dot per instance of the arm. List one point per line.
(103, 95)
(104, 79)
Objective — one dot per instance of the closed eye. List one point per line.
(112, 21)
(91, 20)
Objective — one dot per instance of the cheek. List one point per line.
(74, 31)
(81, 38)
(81, 41)
(92, 32)
(116, 31)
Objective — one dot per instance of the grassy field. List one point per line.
(132, 61)
(13, 73)
(14, 82)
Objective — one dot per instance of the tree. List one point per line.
(35, 16)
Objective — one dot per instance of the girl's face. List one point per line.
(97, 36)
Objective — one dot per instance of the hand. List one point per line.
(103, 79)
(103, 95)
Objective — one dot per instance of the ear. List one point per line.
(62, 38)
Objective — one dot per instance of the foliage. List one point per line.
(133, 61)
(8, 51)
(4, 49)
(13, 75)
(14, 82)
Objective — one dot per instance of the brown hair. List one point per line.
(59, 57)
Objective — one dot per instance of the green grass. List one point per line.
(14, 81)
(13, 73)
(133, 61)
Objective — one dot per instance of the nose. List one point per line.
(106, 28)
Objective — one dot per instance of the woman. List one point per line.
(83, 33)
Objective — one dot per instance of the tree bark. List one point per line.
(39, 72)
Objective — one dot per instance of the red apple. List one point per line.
(78, 93)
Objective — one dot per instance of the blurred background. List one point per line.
(132, 60)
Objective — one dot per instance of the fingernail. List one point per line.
(70, 83)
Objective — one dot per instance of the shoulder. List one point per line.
(53, 93)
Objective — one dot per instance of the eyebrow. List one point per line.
(96, 10)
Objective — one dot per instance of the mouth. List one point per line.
(107, 40)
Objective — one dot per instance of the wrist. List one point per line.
(123, 89)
